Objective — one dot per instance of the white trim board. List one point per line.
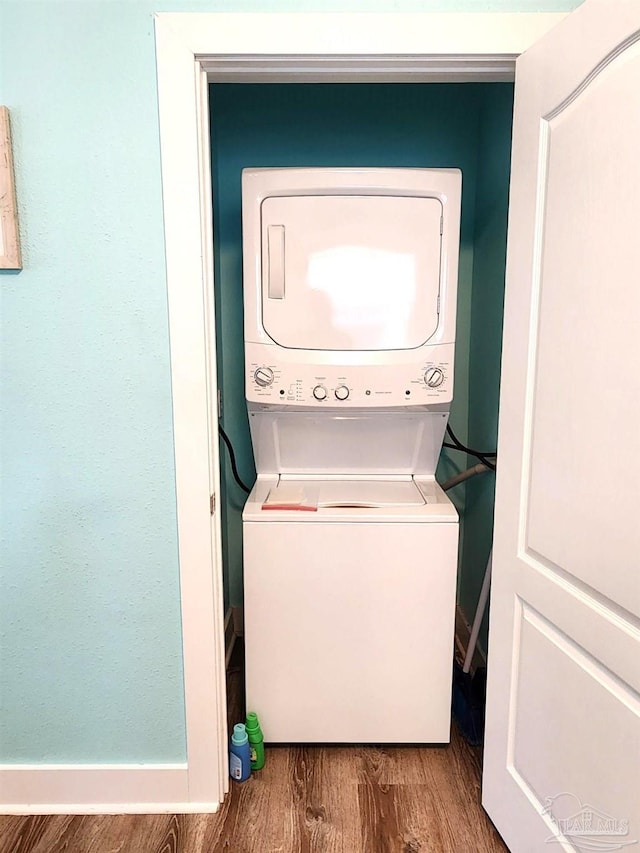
(183, 108)
(97, 789)
(193, 49)
(361, 69)
(383, 36)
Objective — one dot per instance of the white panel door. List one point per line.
(562, 745)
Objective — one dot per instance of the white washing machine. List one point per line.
(350, 546)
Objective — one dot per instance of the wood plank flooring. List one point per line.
(356, 799)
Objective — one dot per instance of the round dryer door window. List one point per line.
(350, 272)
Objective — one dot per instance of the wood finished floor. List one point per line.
(356, 799)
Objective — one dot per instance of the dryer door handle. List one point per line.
(275, 248)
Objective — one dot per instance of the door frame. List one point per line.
(192, 50)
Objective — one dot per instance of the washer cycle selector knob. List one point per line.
(320, 392)
(342, 392)
(263, 376)
(434, 377)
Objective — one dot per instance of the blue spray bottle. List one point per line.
(239, 754)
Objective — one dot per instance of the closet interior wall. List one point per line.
(464, 125)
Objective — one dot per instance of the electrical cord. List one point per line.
(472, 452)
(232, 459)
(485, 458)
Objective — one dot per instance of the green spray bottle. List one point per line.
(256, 741)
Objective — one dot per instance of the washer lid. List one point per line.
(298, 494)
(433, 505)
(350, 272)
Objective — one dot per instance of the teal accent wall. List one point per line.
(462, 125)
(485, 344)
(90, 638)
(326, 125)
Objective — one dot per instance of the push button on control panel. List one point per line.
(341, 392)
(320, 392)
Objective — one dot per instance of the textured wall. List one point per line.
(90, 621)
(91, 640)
(90, 610)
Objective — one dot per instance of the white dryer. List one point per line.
(350, 546)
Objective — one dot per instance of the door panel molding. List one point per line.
(592, 75)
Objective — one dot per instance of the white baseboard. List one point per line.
(97, 789)
(463, 632)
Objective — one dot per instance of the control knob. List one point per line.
(320, 392)
(263, 376)
(341, 392)
(434, 377)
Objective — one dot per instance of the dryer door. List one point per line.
(350, 272)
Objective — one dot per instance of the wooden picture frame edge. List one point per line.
(10, 256)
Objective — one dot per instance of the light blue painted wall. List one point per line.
(90, 610)
(91, 648)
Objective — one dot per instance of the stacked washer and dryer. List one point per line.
(350, 545)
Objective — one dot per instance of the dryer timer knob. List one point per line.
(263, 376)
(434, 377)
(341, 392)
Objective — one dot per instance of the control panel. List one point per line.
(363, 386)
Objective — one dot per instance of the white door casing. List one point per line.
(563, 716)
(260, 47)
